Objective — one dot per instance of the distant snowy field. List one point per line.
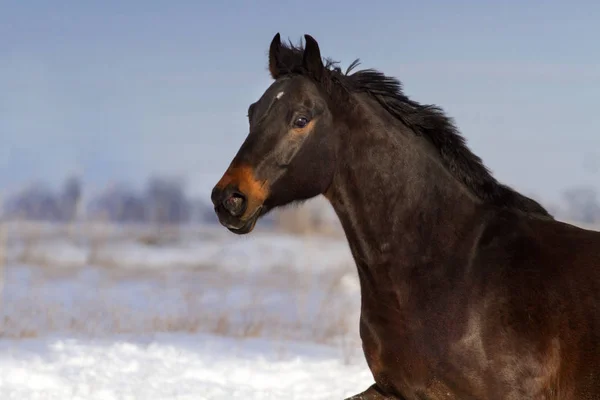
(209, 315)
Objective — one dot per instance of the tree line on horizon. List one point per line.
(165, 201)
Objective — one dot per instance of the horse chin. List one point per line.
(248, 225)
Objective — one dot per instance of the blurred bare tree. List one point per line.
(69, 198)
(119, 204)
(166, 201)
(35, 202)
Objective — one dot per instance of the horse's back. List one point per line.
(577, 251)
(543, 279)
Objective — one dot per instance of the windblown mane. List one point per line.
(428, 121)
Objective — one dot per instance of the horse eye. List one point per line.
(300, 122)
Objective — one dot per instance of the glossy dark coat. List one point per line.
(469, 289)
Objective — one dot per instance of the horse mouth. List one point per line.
(248, 224)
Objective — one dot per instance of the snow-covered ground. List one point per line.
(175, 366)
(302, 288)
(209, 316)
(211, 247)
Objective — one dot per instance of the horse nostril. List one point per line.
(235, 203)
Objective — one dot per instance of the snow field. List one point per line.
(175, 366)
(210, 317)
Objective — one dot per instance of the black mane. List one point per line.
(428, 121)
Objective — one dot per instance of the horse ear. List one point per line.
(311, 60)
(274, 53)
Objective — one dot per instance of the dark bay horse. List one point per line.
(469, 289)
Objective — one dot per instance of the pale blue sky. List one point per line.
(118, 90)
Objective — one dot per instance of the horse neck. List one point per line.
(397, 203)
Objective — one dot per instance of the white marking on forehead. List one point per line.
(279, 95)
